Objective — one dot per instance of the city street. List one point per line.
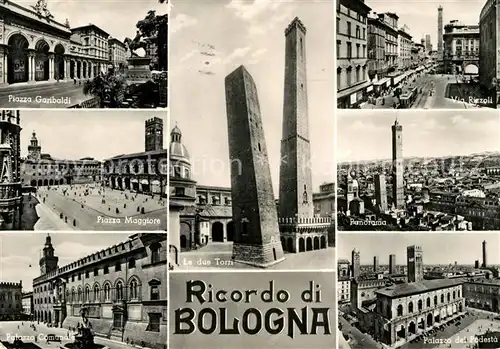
(426, 83)
(218, 255)
(358, 340)
(8, 329)
(25, 95)
(91, 214)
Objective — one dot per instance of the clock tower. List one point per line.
(48, 262)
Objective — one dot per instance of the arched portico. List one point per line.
(18, 60)
(59, 62)
(42, 61)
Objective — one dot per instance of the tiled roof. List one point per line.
(407, 289)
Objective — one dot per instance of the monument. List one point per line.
(139, 69)
(300, 229)
(256, 231)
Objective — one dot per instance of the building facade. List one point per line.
(117, 53)
(39, 169)
(377, 65)
(405, 45)
(461, 48)
(353, 83)
(122, 290)
(145, 172)
(483, 294)
(391, 39)
(11, 300)
(27, 304)
(404, 311)
(489, 55)
(11, 197)
(38, 48)
(343, 289)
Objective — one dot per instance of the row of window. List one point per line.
(483, 289)
(360, 50)
(400, 309)
(9, 306)
(351, 79)
(98, 295)
(360, 33)
(351, 13)
(9, 296)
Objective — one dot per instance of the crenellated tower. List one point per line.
(154, 134)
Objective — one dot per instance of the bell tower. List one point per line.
(34, 149)
(48, 262)
(154, 134)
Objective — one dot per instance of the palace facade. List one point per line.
(483, 294)
(145, 172)
(10, 300)
(35, 47)
(40, 169)
(122, 289)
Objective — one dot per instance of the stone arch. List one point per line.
(72, 69)
(61, 181)
(51, 181)
(134, 287)
(323, 242)
(127, 183)
(119, 182)
(309, 244)
(400, 310)
(316, 243)
(85, 69)
(217, 232)
(421, 323)
(17, 58)
(40, 183)
(230, 231)
(42, 65)
(401, 333)
(59, 63)
(460, 307)
(46, 182)
(429, 320)
(33, 182)
(302, 244)
(185, 235)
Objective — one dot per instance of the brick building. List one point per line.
(122, 289)
(11, 300)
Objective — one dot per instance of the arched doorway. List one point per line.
(217, 232)
(401, 333)
(127, 183)
(289, 245)
(40, 183)
(316, 243)
(421, 324)
(460, 307)
(230, 231)
(185, 235)
(45, 182)
(72, 67)
(42, 70)
(119, 182)
(302, 245)
(51, 182)
(309, 244)
(61, 181)
(412, 328)
(323, 242)
(437, 318)
(17, 59)
(33, 183)
(59, 67)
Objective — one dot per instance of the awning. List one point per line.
(398, 79)
(353, 89)
(380, 82)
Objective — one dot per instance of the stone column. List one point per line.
(81, 69)
(3, 66)
(31, 66)
(74, 69)
(91, 70)
(51, 67)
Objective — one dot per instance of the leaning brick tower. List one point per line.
(256, 236)
(300, 230)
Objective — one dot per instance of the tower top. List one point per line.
(440, 8)
(295, 23)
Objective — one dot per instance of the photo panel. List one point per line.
(252, 183)
(269, 309)
(71, 55)
(419, 290)
(418, 170)
(83, 290)
(420, 55)
(83, 170)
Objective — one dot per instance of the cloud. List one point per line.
(262, 27)
(256, 56)
(188, 55)
(249, 11)
(239, 52)
(182, 21)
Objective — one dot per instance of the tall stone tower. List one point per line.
(484, 255)
(375, 264)
(48, 262)
(415, 263)
(392, 264)
(34, 149)
(295, 192)
(256, 236)
(440, 33)
(381, 192)
(355, 261)
(154, 134)
(398, 197)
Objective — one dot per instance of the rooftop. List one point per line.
(407, 289)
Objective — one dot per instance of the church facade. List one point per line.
(122, 290)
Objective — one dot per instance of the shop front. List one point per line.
(353, 96)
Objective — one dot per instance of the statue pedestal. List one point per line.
(138, 71)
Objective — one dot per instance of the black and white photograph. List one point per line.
(251, 148)
(419, 290)
(84, 54)
(419, 54)
(81, 170)
(75, 290)
(418, 171)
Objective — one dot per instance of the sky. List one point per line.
(116, 17)
(21, 249)
(443, 248)
(74, 134)
(252, 34)
(366, 135)
(421, 15)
